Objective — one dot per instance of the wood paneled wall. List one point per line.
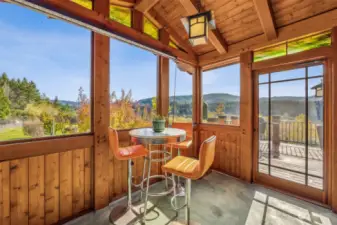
(228, 147)
(45, 189)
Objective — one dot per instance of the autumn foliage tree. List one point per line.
(126, 113)
(83, 112)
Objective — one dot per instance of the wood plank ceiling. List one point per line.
(236, 20)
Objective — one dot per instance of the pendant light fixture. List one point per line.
(197, 26)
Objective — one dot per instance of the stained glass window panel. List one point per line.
(173, 45)
(121, 15)
(85, 3)
(269, 53)
(150, 29)
(308, 43)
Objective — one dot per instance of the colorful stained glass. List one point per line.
(173, 45)
(308, 43)
(85, 3)
(292, 47)
(269, 53)
(150, 29)
(121, 15)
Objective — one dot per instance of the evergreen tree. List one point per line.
(4, 105)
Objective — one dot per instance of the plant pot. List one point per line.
(212, 120)
(222, 118)
(158, 125)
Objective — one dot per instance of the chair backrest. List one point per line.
(206, 155)
(113, 142)
(184, 126)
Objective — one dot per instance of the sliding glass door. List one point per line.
(289, 105)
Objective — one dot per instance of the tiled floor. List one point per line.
(220, 200)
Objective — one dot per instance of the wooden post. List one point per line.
(333, 160)
(100, 68)
(276, 140)
(197, 107)
(163, 82)
(246, 116)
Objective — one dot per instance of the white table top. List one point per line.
(148, 136)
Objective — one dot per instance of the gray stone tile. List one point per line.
(218, 199)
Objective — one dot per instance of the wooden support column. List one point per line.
(246, 116)
(163, 74)
(100, 69)
(333, 160)
(197, 103)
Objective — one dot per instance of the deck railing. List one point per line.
(293, 132)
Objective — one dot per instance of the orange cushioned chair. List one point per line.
(184, 145)
(126, 153)
(191, 169)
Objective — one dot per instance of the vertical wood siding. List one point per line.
(46, 189)
(227, 150)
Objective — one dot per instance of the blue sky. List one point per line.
(56, 56)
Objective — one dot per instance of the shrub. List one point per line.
(33, 128)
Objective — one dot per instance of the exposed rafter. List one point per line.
(266, 19)
(214, 36)
(145, 5)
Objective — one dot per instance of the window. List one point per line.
(133, 86)
(45, 76)
(121, 15)
(292, 47)
(221, 95)
(85, 3)
(150, 29)
(181, 91)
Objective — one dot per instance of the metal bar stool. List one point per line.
(126, 153)
(191, 169)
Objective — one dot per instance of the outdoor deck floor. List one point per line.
(292, 156)
(219, 199)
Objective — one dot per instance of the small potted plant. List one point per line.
(158, 123)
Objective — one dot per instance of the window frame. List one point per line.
(222, 64)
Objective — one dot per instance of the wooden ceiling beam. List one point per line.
(316, 24)
(214, 36)
(265, 15)
(145, 5)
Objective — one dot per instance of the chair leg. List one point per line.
(178, 183)
(188, 201)
(129, 183)
(142, 184)
(147, 189)
(166, 182)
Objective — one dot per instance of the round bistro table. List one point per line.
(148, 138)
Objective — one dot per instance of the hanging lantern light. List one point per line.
(197, 27)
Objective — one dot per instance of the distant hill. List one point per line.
(208, 98)
(281, 105)
(69, 103)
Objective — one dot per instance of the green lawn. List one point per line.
(12, 134)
